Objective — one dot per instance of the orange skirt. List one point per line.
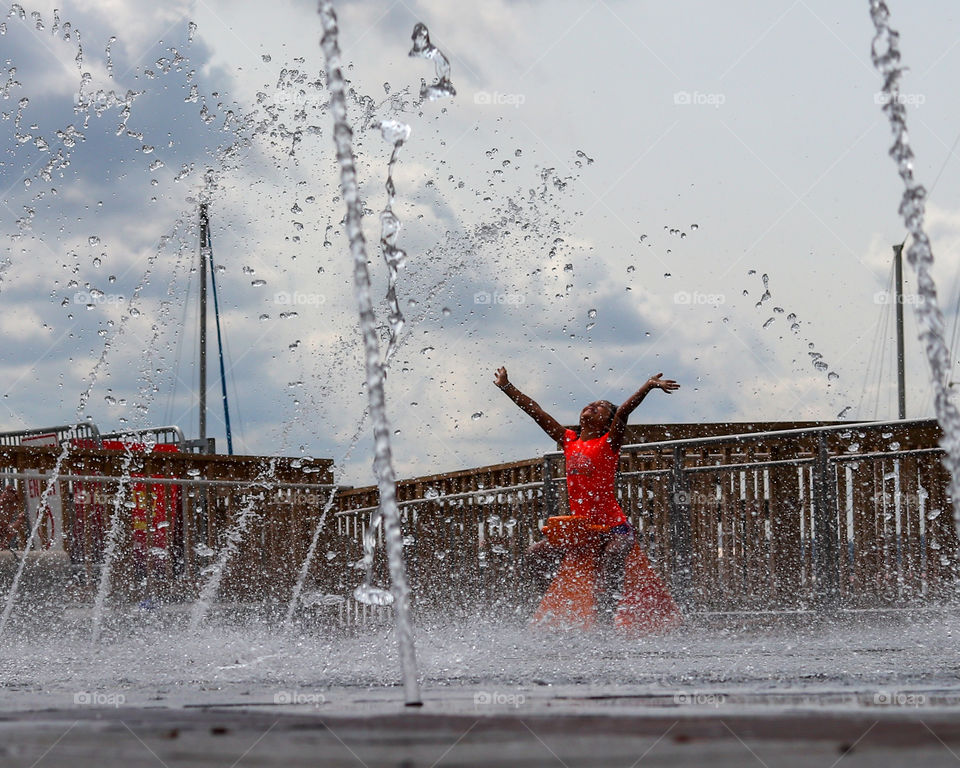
(570, 602)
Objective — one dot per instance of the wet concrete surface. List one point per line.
(429, 736)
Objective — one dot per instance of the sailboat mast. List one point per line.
(898, 306)
(204, 248)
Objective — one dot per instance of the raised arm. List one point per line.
(619, 426)
(545, 421)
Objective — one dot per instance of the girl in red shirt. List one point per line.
(592, 454)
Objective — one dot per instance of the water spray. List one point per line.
(383, 461)
(885, 52)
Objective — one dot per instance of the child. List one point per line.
(592, 454)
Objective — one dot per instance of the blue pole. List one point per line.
(223, 375)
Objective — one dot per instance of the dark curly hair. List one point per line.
(613, 412)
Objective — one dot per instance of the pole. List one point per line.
(223, 374)
(204, 247)
(898, 304)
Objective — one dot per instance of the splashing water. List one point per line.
(233, 537)
(885, 52)
(383, 461)
(423, 48)
(110, 549)
(321, 524)
(14, 586)
(395, 132)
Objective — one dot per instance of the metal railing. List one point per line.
(785, 519)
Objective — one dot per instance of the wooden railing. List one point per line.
(175, 513)
(849, 515)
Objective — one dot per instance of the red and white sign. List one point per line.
(50, 532)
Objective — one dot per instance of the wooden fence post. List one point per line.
(825, 549)
(549, 490)
(680, 533)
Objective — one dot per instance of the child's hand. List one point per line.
(667, 385)
(500, 377)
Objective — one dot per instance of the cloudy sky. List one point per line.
(609, 195)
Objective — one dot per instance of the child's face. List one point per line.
(597, 414)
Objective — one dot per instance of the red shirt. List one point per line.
(591, 469)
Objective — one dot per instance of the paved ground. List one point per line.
(430, 737)
(857, 689)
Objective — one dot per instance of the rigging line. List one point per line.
(906, 237)
(180, 332)
(943, 167)
(236, 398)
(216, 314)
(933, 186)
(955, 330)
(871, 360)
(875, 413)
(874, 350)
(884, 345)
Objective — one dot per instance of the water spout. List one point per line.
(885, 51)
(383, 461)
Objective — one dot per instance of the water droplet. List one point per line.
(477, 416)
(591, 313)
(258, 283)
(267, 58)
